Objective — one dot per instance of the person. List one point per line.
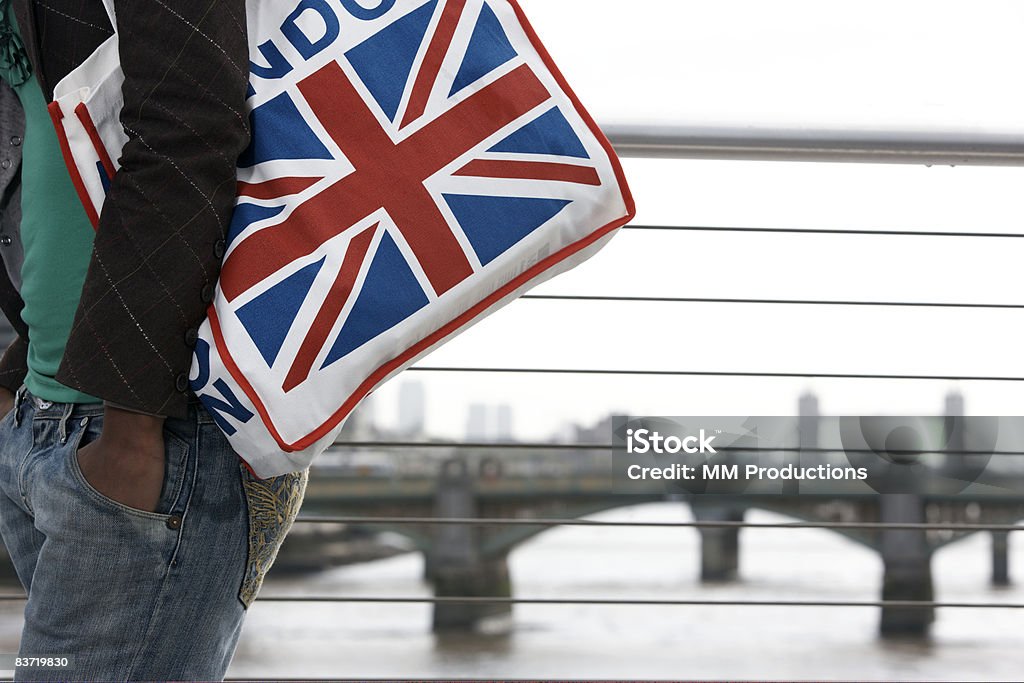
(139, 535)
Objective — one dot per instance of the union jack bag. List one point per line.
(413, 168)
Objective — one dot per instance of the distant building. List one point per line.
(503, 423)
(954, 404)
(477, 423)
(361, 424)
(412, 409)
(600, 432)
(489, 423)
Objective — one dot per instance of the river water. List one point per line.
(558, 641)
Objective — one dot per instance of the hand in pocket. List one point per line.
(126, 463)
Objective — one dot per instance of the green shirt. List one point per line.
(57, 237)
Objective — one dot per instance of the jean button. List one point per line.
(174, 522)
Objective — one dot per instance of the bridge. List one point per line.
(467, 506)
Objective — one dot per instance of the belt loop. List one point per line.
(19, 398)
(65, 416)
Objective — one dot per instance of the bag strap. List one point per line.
(109, 6)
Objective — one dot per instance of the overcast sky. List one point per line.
(866, 64)
(951, 64)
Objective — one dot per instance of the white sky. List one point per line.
(865, 64)
(950, 64)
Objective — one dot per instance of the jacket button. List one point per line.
(181, 383)
(15, 141)
(192, 336)
(5, 240)
(219, 247)
(173, 522)
(5, 164)
(207, 294)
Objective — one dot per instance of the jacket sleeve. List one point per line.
(160, 239)
(14, 365)
(14, 362)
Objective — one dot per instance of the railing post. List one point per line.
(456, 565)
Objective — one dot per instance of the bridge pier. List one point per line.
(719, 548)
(1000, 558)
(456, 565)
(907, 561)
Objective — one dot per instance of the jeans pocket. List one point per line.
(272, 505)
(176, 451)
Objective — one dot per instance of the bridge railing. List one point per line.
(955, 148)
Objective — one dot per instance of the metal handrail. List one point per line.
(751, 143)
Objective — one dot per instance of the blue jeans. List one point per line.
(128, 594)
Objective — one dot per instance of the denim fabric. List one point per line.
(130, 594)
